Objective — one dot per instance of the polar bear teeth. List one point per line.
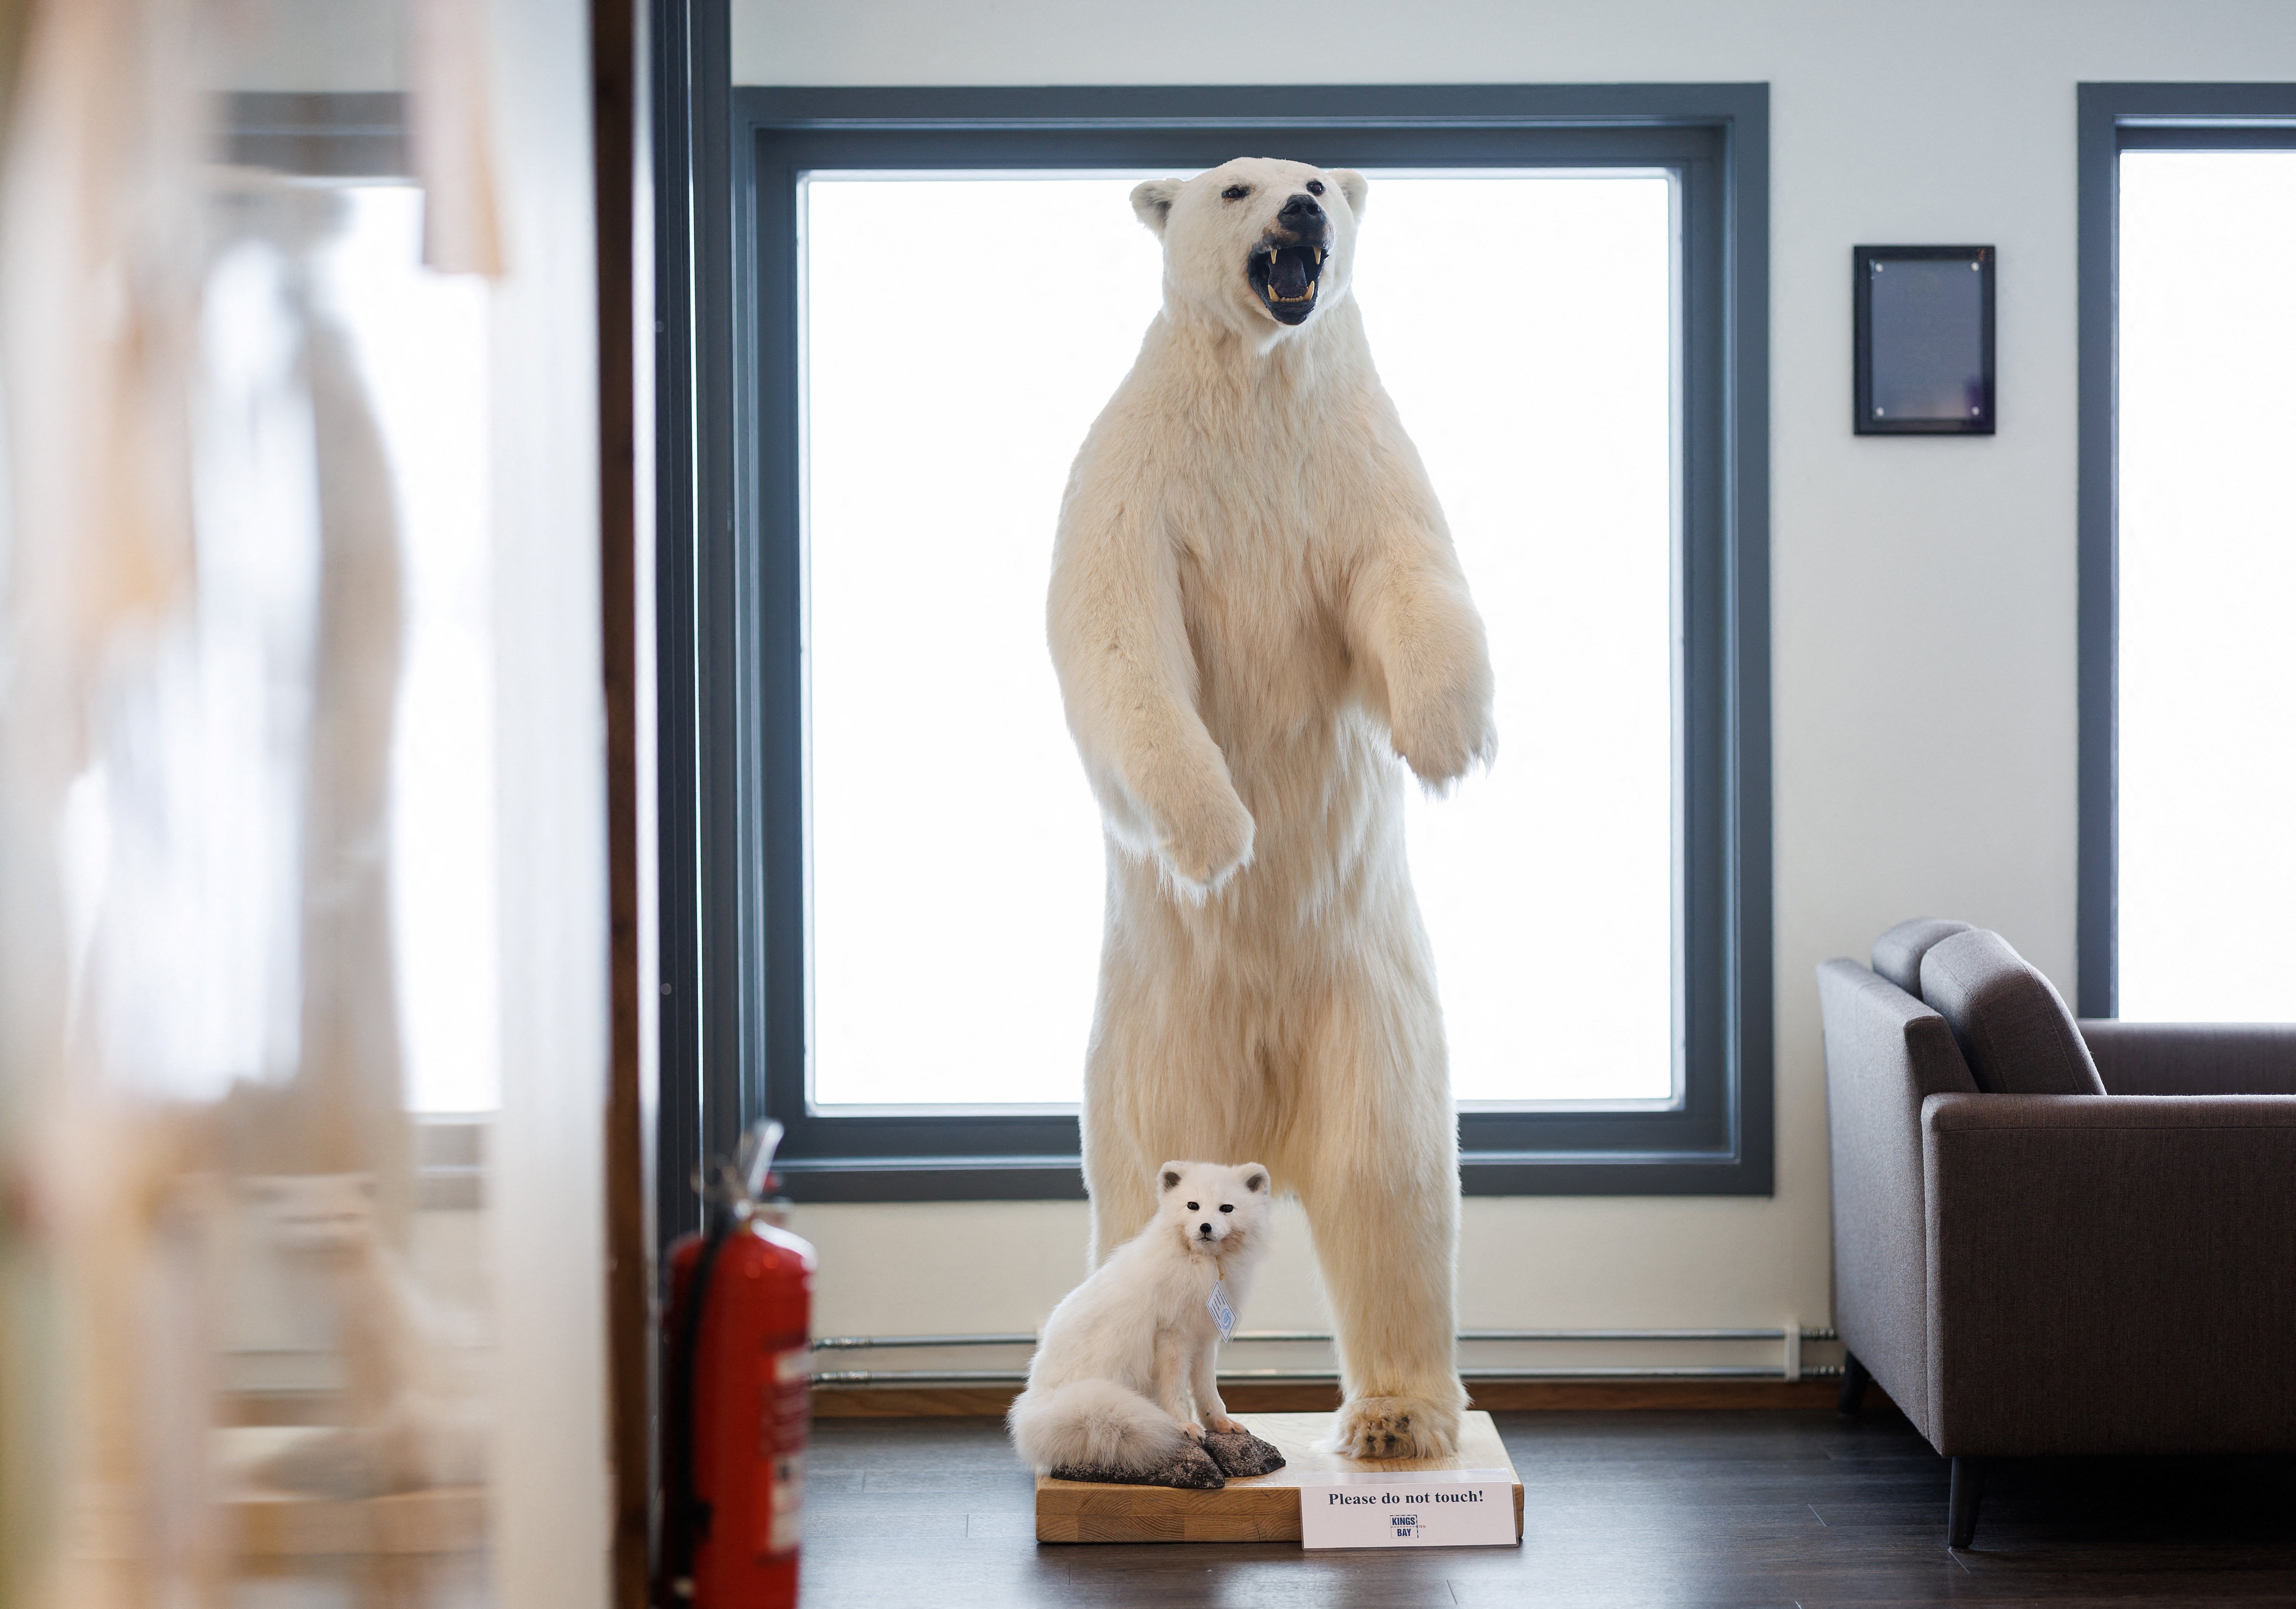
(1269, 266)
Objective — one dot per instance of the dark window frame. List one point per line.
(741, 983)
(2115, 117)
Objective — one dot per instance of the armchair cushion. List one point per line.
(1898, 953)
(2193, 1058)
(2010, 1020)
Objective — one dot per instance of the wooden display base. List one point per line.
(267, 1523)
(1262, 1509)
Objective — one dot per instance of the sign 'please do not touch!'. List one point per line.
(1409, 1508)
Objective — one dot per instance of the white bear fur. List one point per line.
(1255, 607)
(1124, 1372)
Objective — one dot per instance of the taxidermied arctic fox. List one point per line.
(1255, 609)
(1122, 1385)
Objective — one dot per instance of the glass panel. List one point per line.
(956, 864)
(1929, 338)
(2208, 571)
(354, 1327)
(248, 823)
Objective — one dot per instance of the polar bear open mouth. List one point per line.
(1286, 278)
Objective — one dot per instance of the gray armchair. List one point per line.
(2055, 1237)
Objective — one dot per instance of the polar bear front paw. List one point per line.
(1208, 841)
(1395, 1428)
(1439, 737)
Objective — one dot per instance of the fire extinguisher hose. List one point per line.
(686, 1519)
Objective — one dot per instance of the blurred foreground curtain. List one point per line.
(302, 923)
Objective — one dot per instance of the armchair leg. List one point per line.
(1854, 1381)
(1968, 1492)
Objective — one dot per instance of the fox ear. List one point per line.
(1256, 1181)
(1171, 1176)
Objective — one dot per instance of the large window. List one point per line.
(955, 942)
(925, 855)
(2189, 541)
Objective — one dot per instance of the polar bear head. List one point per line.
(1258, 245)
(1217, 1211)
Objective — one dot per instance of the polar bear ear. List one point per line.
(1352, 185)
(1171, 1177)
(1256, 1180)
(1152, 201)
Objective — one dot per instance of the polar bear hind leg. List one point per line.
(1117, 1182)
(1161, 1081)
(1382, 1191)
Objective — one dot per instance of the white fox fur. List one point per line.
(1256, 608)
(1123, 1377)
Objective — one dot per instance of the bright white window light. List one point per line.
(956, 866)
(420, 340)
(2208, 565)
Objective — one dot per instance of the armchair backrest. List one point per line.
(1885, 1053)
(2012, 1023)
(1898, 953)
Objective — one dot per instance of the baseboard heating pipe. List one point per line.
(1791, 1367)
(1330, 1377)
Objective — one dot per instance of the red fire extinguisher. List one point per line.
(735, 1399)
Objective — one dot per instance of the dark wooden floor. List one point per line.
(1704, 1510)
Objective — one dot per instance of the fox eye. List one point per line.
(1192, 1206)
(1314, 186)
(1226, 1208)
(1235, 193)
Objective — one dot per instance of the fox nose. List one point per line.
(1302, 214)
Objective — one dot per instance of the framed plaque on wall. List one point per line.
(1924, 340)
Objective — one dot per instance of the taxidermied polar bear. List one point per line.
(1255, 607)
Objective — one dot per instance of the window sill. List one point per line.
(1480, 1173)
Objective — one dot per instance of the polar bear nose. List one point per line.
(1301, 214)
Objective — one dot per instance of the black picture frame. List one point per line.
(1899, 358)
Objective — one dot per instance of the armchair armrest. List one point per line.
(1885, 1052)
(2193, 1058)
(2112, 1273)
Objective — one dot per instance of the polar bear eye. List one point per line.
(1314, 186)
(1226, 1208)
(1235, 193)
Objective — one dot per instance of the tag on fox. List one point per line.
(1222, 1313)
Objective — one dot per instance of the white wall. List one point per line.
(311, 46)
(1923, 590)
